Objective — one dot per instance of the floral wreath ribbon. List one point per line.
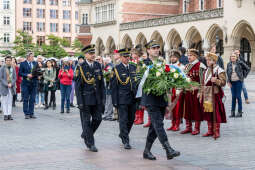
(146, 74)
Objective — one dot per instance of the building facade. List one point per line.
(45, 17)
(188, 23)
(7, 24)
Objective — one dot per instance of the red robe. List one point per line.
(219, 105)
(19, 80)
(190, 106)
(175, 111)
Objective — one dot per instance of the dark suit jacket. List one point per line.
(25, 69)
(124, 94)
(90, 94)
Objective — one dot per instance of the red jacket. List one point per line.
(65, 79)
(18, 81)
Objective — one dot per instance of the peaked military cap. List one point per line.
(151, 44)
(89, 49)
(124, 51)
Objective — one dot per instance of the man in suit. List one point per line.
(123, 84)
(29, 85)
(156, 106)
(91, 95)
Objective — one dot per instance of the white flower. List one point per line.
(173, 70)
(144, 65)
(188, 79)
(158, 64)
(158, 74)
(176, 75)
(161, 70)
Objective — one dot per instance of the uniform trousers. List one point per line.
(126, 120)
(91, 118)
(7, 103)
(156, 129)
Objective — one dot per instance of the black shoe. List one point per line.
(13, 105)
(68, 111)
(239, 114)
(127, 146)
(27, 117)
(62, 111)
(46, 107)
(5, 117)
(148, 155)
(71, 105)
(147, 152)
(50, 104)
(170, 152)
(10, 117)
(33, 117)
(232, 114)
(93, 148)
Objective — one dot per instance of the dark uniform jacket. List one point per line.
(123, 92)
(152, 100)
(88, 92)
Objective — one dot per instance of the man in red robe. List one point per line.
(191, 108)
(218, 77)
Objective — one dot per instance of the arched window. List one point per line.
(201, 5)
(245, 50)
(185, 6)
(220, 5)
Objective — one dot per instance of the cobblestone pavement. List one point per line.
(52, 142)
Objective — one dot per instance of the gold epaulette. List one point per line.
(118, 78)
(91, 81)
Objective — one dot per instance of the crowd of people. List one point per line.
(106, 89)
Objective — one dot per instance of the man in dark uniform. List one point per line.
(156, 106)
(91, 94)
(123, 84)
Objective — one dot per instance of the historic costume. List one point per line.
(176, 116)
(208, 99)
(191, 108)
(91, 95)
(123, 86)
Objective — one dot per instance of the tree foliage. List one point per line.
(23, 43)
(77, 47)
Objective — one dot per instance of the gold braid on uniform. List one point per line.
(118, 77)
(91, 81)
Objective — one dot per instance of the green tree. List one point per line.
(77, 47)
(23, 43)
(55, 48)
(5, 52)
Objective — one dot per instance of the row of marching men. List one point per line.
(194, 105)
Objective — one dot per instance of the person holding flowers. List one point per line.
(123, 85)
(155, 104)
(191, 108)
(176, 116)
(213, 104)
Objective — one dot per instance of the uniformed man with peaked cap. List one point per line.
(90, 92)
(123, 83)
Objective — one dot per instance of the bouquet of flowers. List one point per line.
(107, 73)
(160, 78)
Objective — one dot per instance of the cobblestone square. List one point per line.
(52, 142)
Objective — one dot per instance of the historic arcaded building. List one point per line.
(189, 23)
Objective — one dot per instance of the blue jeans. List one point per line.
(236, 90)
(245, 93)
(65, 96)
(38, 95)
